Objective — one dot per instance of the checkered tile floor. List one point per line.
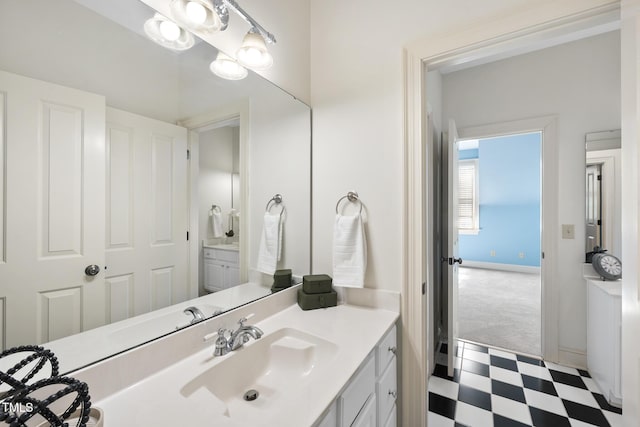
(494, 388)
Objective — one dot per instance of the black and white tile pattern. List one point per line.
(492, 387)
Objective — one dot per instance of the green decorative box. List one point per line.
(312, 301)
(282, 278)
(317, 283)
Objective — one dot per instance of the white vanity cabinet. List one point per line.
(369, 398)
(604, 326)
(221, 268)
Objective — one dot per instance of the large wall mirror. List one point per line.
(603, 192)
(133, 181)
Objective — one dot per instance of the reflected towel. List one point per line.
(349, 251)
(270, 244)
(215, 217)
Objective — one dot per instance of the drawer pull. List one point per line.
(393, 393)
(392, 349)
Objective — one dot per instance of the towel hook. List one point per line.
(215, 208)
(351, 196)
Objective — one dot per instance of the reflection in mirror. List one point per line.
(603, 195)
(95, 124)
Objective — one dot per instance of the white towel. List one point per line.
(215, 217)
(349, 251)
(270, 244)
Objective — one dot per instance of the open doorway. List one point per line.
(499, 231)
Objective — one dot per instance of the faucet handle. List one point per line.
(221, 344)
(244, 319)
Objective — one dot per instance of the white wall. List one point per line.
(279, 163)
(579, 82)
(357, 99)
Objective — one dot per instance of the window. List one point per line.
(468, 212)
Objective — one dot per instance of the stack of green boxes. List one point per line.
(317, 292)
(281, 280)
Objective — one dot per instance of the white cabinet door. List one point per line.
(214, 275)
(52, 223)
(232, 276)
(331, 419)
(367, 417)
(147, 213)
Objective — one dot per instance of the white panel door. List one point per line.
(54, 204)
(452, 247)
(147, 212)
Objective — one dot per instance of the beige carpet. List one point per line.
(500, 308)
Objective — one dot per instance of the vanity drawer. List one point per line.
(385, 351)
(220, 255)
(387, 389)
(231, 256)
(357, 392)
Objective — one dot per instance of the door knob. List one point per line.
(92, 270)
(454, 260)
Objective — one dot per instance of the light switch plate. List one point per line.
(568, 231)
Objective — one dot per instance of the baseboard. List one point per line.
(573, 358)
(501, 267)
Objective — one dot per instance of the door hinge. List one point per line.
(187, 235)
(188, 154)
(424, 288)
(542, 255)
(599, 177)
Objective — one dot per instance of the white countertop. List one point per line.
(157, 400)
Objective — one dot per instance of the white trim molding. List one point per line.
(501, 267)
(523, 27)
(550, 176)
(239, 110)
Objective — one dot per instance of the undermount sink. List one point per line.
(276, 366)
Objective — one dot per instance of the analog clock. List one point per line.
(607, 266)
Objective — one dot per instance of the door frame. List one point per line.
(518, 32)
(549, 177)
(238, 110)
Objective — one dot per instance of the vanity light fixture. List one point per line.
(167, 33)
(201, 15)
(213, 15)
(253, 53)
(224, 66)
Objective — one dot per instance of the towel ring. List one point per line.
(351, 196)
(275, 201)
(215, 208)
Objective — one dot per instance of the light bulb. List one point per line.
(169, 30)
(253, 53)
(196, 12)
(225, 67)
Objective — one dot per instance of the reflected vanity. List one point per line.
(107, 148)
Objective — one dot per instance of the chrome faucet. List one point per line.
(242, 334)
(237, 338)
(198, 316)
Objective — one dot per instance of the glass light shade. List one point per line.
(167, 33)
(169, 30)
(224, 66)
(197, 15)
(196, 12)
(253, 53)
